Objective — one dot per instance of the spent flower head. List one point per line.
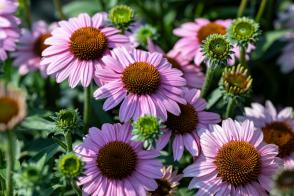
(147, 129)
(236, 80)
(121, 16)
(283, 183)
(244, 31)
(217, 49)
(69, 166)
(67, 120)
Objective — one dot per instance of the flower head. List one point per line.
(283, 183)
(119, 164)
(69, 166)
(167, 184)
(147, 129)
(191, 72)
(186, 126)
(30, 47)
(77, 46)
(9, 32)
(217, 49)
(67, 120)
(13, 106)
(234, 161)
(144, 82)
(244, 31)
(121, 16)
(236, 80)
(277, 127)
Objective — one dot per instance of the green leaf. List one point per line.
(266, 43)
(37, 123)
(184, 192)
(75, 8)
(213, 98)
(49, 151)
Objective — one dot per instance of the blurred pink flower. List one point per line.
(9, 32)
(191, 72)
(277, 128)
(31, 44)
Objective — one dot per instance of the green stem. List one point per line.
(242, 7)
(27, 10)
(208, 80)
(75, 187)
(260, 10)
(10, 163)
(230, 108)
(68, 139)
(243, 56)
(58, 8)
(87, 107)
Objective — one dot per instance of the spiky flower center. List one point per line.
(285, 180)
(70, 165)
(88, 43)
(281, 134)
(148, 126)
(243, 30)
(117, 160)
(186, 122)
(238, 163)
(141, 78)
(217, 49)
(121, 14)
(9, 109)
(209, 29)
(163, 189)
(236, 80)
(39, 45)
(174, 63)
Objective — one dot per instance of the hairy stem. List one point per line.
(242, 7)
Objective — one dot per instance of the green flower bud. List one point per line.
(69, 165)
(147, 129)
(244, 31)
(217, 49)
(121, 16)
(143, 33)
(67, 120)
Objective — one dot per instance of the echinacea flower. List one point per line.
(167, 184)
(30, 47)
(9, 32)
(77, 46)
(283, 183)
(277, 127)
(121, 16)
(116, 165)
(186, 126)
(13, 106)
(194, 33)
(234, 161)
(191, 72)
(144, 82)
